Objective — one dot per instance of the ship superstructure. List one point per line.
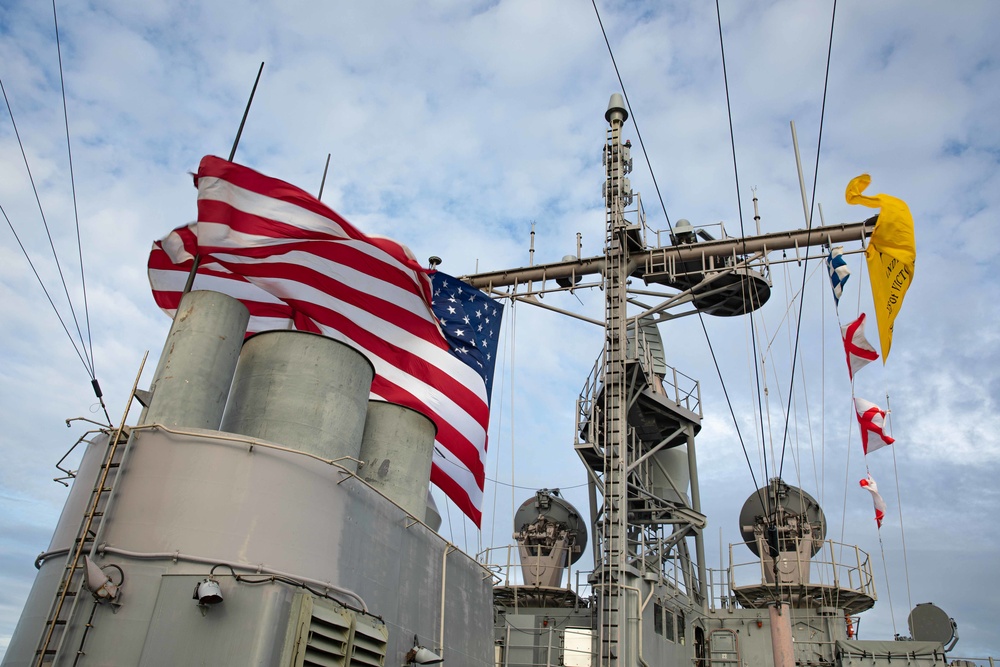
(650, 598)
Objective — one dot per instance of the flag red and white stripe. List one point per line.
(296, 264)
(859, 351)
(872, 420)
(869, 484)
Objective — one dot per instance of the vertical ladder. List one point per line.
(613, 632)
(74, 574)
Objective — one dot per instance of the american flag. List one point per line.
(471, 324)
(296, 264)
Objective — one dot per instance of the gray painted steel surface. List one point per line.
(193, 497)
(671, 465)
(194, 503)
(396, 449)
(196, 367)
(238, 631)
(301, 390)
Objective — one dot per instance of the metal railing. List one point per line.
(508, 569)
(683, 390)
(852, 571)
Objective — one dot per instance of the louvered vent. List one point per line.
(370, 643)
(324, 633)
(328, 642)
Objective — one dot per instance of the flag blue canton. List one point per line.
(839, 273)
(470, 321)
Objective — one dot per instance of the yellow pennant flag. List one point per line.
(891, 253)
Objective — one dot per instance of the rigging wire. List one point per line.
(758, 436)
(663, 207)
(809, 429)
(513, 352)
(899, 505)
(800, 464)
(812, 206)
(451, 530)
(55, 255)
(739, 207)
(508, 334)
(465, 531)
(888, 589)
(46, 291)
(852, 418)
(822, 400)
(72, 183)
(843, 524)
(561, 487)
(634, 124)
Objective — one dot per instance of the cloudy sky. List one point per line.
(453, 126)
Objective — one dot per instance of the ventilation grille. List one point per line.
(371, 639)
(329, 637)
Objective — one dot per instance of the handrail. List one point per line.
(853, 576)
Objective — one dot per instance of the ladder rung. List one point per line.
(70, 584)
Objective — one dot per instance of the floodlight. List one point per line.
(208, 592)
(99, 583)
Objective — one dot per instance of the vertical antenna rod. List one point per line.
(756, 211)
(323, 182)
(246, 113)
(232, 154)
(802, 182)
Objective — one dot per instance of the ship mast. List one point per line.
(611, 586)
(636, 423)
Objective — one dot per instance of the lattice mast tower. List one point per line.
(615, 427)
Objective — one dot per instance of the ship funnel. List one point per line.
(199, 357)
(303, 391)
(396, 449)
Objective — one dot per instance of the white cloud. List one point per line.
(454, 125)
